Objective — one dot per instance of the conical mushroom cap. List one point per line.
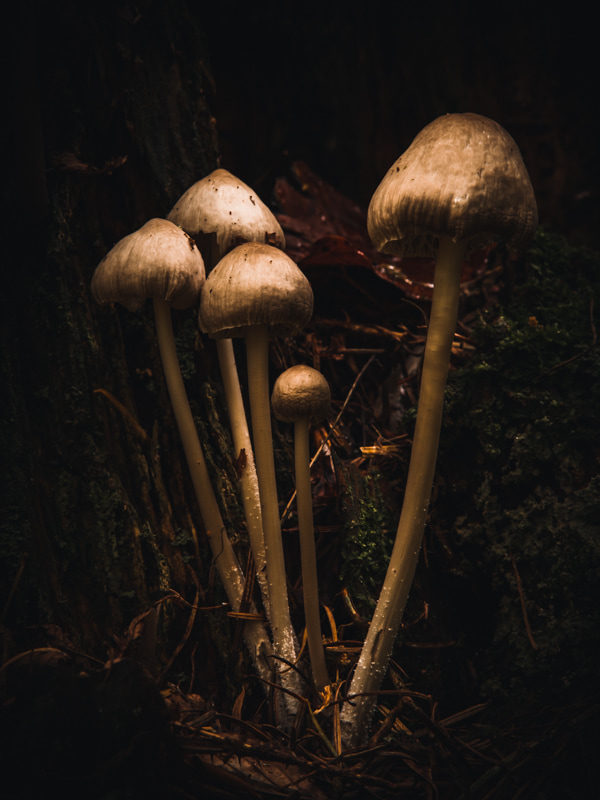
(255, 284)
(462, 177)
(158, 260)
(301, 392)
(220, 212)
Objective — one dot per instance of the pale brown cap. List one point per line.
(220, 212)
(255, 284)
(158, 260)
(301, 392)
(462, 177)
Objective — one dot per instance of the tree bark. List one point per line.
(99, 519)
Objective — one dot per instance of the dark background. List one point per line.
(343, 86)
(347, 86)
(117, 108)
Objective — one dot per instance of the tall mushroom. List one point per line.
(255, 290)
(301, 395)
(162, 262)
(220, 212)
(460, 185)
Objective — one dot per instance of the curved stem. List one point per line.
(308, 555)
(248, 478)
(225, 559)
(377, 649)
(284, 645)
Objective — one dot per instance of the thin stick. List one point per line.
(532, 641)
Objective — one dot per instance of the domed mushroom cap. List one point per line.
(301, 392)
(255, 284)
(158, 260)
(223, 208)
(462, 177)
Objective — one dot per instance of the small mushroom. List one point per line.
(162, 262)
(220, 212)
(460, 185)
(256, 290)
(301, 395)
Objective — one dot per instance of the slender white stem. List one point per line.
(308, 556)
(225, 559)
(284, 640)
(243, 451)
(377, 649)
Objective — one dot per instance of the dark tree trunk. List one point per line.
(111, 125)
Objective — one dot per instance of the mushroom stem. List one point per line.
(284, 646)
(225, 559)
(308, 555)
(384, 625)
(248, 478)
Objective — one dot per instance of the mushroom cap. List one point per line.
(157, 260)
(301, 392)
(221, 212)
(255, 284)
(462, 177)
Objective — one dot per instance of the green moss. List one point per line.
(185, 342)
(368, 530)
(184, 540)
(521, 449)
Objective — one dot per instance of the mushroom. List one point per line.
(219, 212)
(254, 290)
(460, 185)
(301, 395)
(161, 261)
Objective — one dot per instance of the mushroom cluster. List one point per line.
(220, 212)
(162, 262)
(253, 290)
(460, 185)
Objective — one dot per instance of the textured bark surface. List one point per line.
(111, 124)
